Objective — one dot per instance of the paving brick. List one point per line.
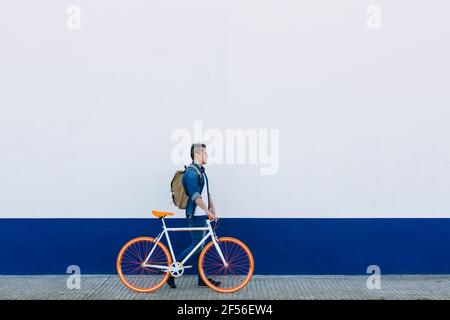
(106, 287)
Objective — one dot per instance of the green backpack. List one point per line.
(179, 195)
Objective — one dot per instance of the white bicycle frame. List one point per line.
(166, 231)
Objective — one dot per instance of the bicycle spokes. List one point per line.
(238, 268)
(137, 275)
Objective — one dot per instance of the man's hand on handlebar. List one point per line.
(212, 216)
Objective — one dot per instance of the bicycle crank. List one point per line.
(176, 269)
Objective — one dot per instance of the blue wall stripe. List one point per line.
(280, 246)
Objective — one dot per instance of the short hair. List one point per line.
(195, 148)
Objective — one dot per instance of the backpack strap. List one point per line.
(196, 169)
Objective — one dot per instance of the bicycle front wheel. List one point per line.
(130, 262)
(235, 274)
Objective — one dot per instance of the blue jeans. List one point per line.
(195, 221)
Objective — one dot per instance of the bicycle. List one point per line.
(144, 263)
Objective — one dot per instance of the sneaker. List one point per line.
(202, 284)
(171, 282)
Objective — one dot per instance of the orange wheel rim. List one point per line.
(236, 275)
(133, 274)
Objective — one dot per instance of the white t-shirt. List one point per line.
(199, 211)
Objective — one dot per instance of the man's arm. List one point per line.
(211, 205)
(199, 201)
(190, 184)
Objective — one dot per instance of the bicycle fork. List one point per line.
(216, 244)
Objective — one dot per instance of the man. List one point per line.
(199, 207)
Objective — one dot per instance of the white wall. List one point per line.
(86, 116)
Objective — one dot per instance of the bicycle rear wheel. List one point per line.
(236, 274)
(133, 274)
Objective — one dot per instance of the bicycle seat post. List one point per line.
(163, 223)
